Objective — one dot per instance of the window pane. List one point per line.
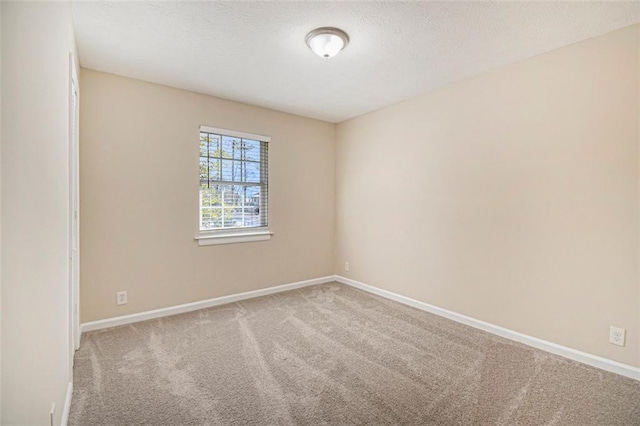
(210, 209)
(229, 146)
(210, 197)
(252, 196)
(229, 206)
(231, 159)
(251, 172)
(236, 171)
(245, 149)
(203, 172)
(230, 196)
(203, 144)
(251, 150)
(229, 216)
(251, 216)
(214, 170)
(227, 172)
(214, 145)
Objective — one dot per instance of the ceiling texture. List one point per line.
(255, 52)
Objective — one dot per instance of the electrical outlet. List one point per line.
(346, 266)
(617, 335)
(121, 298)
(52, 414)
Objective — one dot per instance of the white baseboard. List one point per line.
(67, 405)
(188, 307)
(554, 348)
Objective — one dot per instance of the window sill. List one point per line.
(233, 237)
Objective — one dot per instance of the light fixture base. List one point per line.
(327, 42)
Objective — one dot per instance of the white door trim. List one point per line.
(74, 209)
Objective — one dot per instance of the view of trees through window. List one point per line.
(231, 182)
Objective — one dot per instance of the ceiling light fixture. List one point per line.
(327, 42)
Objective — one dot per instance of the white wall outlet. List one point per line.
(121, 298)
(52, 414)
(617, 335)
(346, 266)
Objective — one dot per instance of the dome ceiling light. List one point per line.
(327, 42)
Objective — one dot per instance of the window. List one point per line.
(234, 187)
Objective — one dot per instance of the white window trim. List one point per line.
(235, 133)
(230, 235)
(210, 238)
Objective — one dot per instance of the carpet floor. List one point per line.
(331, 354)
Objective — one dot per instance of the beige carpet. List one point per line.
(330, 354)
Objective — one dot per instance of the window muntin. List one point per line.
(233, 181)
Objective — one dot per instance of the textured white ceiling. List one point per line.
(255, 52)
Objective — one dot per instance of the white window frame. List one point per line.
(236, 235)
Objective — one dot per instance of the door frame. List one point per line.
(74, 208)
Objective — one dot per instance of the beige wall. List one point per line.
(37, 38)
(139, 198)
(511, 197)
